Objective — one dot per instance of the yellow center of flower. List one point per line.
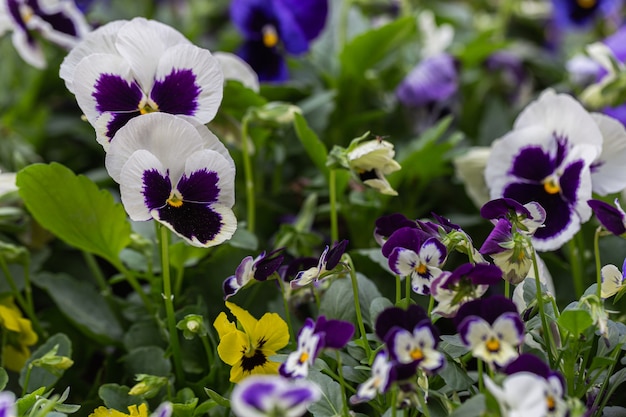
(26, 13)
(303, 357)
(586, 4)
(148, 108)
(551, 185)
(551, 403)
(416, 354)
(493, 345)
(421, 269)
(175, 199)
(270, 36)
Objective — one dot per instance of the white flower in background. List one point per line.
(607, 170)
(435, 39)
(469, 168)
(235, 68)
(372, 160)
(522, 394)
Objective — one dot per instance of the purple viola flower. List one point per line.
(329, 259)
(259, 268)
(569, 14)
(491, 328)
(7, 404)
(312, 338)
(398, 317)
(547, 159)
(611, 218)
(271, 395)
(466, 283)
(60, 22)
(528, 217)
(510, 250)
(130, 68)
(510, 68)
(274, 27)
(383, 375)
(387, 225)
(420, 263)
(433, 80)
(177, 173)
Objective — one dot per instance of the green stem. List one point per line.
(398, 290)
(431, 305)
(132, 280)
(575, 259)
(394, 401)
(169, 303)
(332, 190)
(507, 288)
(408, 290)
(481, 381)
(283, 290)
(596, 252)
(609, 372)
(28, 308)
(422, 401)
(547, 335)
(342, 385)
(357, 307)
(247, 170)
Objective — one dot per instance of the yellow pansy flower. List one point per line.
(248, 350)
(134, 411)
(20, 335)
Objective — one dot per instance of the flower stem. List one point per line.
(422, 401)
(481, 382)
(283, 290)
(25, 304)
(507, 288)
(398, 290)
(357, 307)
(247, 169)
(332, 191)
(342, 385)
(575, 259)
(408, 290)
(542, 313)
(596, 252)
(169, 302)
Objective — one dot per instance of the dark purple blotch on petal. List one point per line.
(501, 208)
(114, 94)
(193, 220)
(268, 264)
(501, 233)
(489, 309)
(337, 333)
(298, 395)
(608, 216)
(405, 237)
(199, 187)
(118, 121)
(156, 189)
(386, 225)
(479, 274)
(268, 63)
(177, 93)
(255, 394)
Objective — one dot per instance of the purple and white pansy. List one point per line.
(383, 375)
(273, 395)
(312, 338)
(177, 173)
(611, 218)
(58, 21)
(607, 170)
(547, 158)
(129, 68)
(328, 261)
(259, 268)
(491, 327)
(419, 260)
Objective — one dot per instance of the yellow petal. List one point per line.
(232, 347)
(247, 321)
(273, 330)
(9, 318)
(141, 412)
(223, 326)
(27, 336)
(106, 412)
(14, 359)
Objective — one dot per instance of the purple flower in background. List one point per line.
(547, 159)
(272, 395)
(259, 268)
(129, 68)
(58, 21)
(312, 338)
(177, 173)
(491, 328)
(328, 260)
(272, 28)
(387, 225)
(572, 14)
(7, 404)
(433, 80)
(611, 218)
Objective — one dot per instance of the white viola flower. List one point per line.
(171, 172)
(418, 347)
(523, 394)
(235, 68)
(612, 280)
(58, 21)
(607, 170)
(273, 395)
(469, 168)
(382, 377)
(435, 39)
(298, 362)
(129, 68)
(372, 160)
(547, 159)
(421, 264)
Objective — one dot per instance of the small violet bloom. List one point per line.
(273, 395)
(420, 260)
(612, 280)
(510, 250)
(272, 28)
(547, 159)
(611, 218)
(466, 283)
(491, 328)
(433, 80)
(130, 68)
(580, 14)
(527, 218)
(58, 21)
(177, 173)
(327, 262)
(7, 404)
(259, 268)
(386, 225)
(312, 338)
(383, 375)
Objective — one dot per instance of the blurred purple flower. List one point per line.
(433, 80)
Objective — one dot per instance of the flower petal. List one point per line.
(144, 185)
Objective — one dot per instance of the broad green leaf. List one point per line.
(74, 209)
(456, 378)
(224, 402)
(474, 407)
(4, 378)
(40, 377)
(314, 147)
(330, 405)
(244, 239)
(575, 321)
(116, 397)
(83, 305)
(368, 49)
(237, 99)
(148, 360)
(338, 301)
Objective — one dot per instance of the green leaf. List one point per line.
(456, 378)
(148, 360)
(331, 403)
(40, 377)
(314, 147)
(224, 402)
(237, 99)
(244, 239)
(368, 49)
(338, 301)
(116, 397)
(575, 321)
(74, 209)
(83, 305)
(4, 378)
(474, 407)
(27, 401)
